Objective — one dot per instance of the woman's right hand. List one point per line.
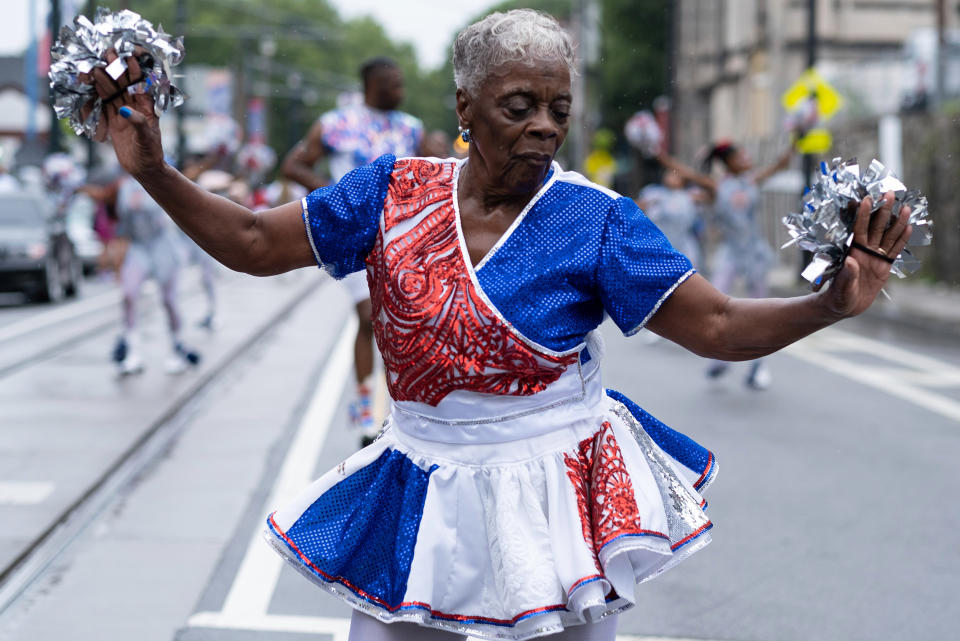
(128, 120)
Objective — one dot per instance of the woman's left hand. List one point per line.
(864, 273)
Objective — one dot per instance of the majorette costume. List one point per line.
(510, 495)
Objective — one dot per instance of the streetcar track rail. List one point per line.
(73, 313)
(30, 564)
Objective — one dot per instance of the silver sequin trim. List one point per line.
(660, 302)
(306, 224)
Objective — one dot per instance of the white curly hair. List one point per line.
(521, 35)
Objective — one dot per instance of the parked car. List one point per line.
(80, 216)
(37, 256)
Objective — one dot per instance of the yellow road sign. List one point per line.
(811, 84)
(816, 141)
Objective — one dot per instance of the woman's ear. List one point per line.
(464, 108)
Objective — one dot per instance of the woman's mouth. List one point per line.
(535, 158)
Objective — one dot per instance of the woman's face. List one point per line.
(739, 162)
(518, 120)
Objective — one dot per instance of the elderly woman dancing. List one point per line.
(510, 495)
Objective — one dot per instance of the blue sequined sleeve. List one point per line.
(638, 267)
(342, 219)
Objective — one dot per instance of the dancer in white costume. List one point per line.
(510, 496)
(743, 251)
(153, 251)
(675, 210)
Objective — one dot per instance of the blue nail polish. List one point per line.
(125, 112)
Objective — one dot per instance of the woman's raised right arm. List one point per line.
(265, 243)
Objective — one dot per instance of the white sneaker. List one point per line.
(174, 365)
(131, 364)
(759, 377)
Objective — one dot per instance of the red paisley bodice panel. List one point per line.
(435, 331)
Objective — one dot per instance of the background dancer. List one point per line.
(510, 494)
(675, 209)
(348, 138)
(153, 250)
(743, 250)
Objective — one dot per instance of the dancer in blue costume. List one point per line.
(350, 137)
(510, 495)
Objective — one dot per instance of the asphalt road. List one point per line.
(833, 506)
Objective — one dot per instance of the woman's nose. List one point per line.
(542, 125)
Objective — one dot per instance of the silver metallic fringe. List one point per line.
(83, 47)
(825, 226)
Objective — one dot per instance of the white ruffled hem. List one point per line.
(507, 549)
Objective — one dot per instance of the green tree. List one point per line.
(316, 55)
(633, 58)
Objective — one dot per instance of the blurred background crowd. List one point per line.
(829, 78)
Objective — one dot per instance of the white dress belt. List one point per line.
(472, 417)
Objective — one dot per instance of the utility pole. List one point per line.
(54, 143)
(30, 80)
(939, 61)
(91, 148)
(181, 20)
(670, 74)
(586, 26)
(811, 62)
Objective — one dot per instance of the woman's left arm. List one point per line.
(711, 324)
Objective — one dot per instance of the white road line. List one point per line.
(60, 314)
(253, 586)
(24, 492)
(839, 339)
(881, 378)
(339, 629)
(933, 379)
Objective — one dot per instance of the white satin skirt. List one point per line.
(508, 526)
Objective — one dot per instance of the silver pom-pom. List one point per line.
(83, 47)
(825, 226)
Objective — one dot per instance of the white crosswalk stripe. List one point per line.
(904, 374)
(25, 492)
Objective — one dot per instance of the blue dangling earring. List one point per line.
(464, 134)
